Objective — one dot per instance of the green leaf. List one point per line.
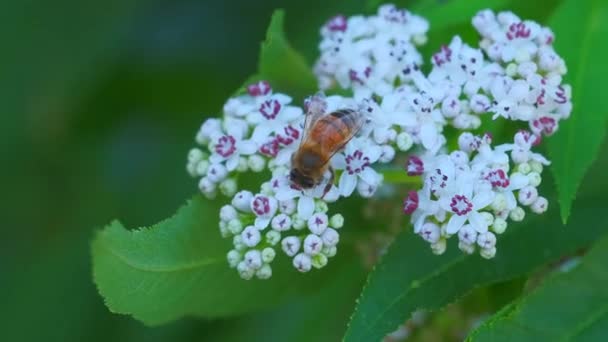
(318, 317)
(281, 65)
(571, 306)
(409, 277)
(178, 267)
(580, 28)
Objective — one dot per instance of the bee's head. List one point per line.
(300, 180)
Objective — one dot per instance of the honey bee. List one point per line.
(324, 135)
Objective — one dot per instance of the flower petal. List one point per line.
(246, 147)
(232, 162)
(262, 222)
(478, 222)
(455, 223)
(306, 206)
(370, 176)
(347, 184)
(482, 200)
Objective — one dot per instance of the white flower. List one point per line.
(272, 116)
(242, 200)
(356, 162)
(318, 223)
(465, 206)
(330, 237)
(430, 232)
(253, 259)
(264, 208)
(281, 223)
(229, 147)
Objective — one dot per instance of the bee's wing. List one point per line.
(316, 110)
(357, 123)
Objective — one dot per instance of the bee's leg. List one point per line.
(330, 182)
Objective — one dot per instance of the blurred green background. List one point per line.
(99, 103)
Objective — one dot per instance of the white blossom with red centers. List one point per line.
(356, 165)
(367, 54)
(470, 188)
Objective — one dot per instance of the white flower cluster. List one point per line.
(367, 54)
(278, 218)
(471, 191)
(256, 127)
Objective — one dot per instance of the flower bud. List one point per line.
(235, 226)
(281, 223)
(321, 206)
(273, 237)
(500, 202)
(499, 226)
(439, 247)
(489, 218)
(234, 257)
(527, 195)
(242, 165)
(290, 245)
(265, 272)
(430, 232)
(313, 244)
(256, 163)
(536, 166)
(244, 271)
(202, 167)
(387, 154)
(450, 107)
(253, 259)
(251, 236)
(242, 201)
(524, 168)
(319, 261)
(207, 187)
(268, 255)
(329, 251)
(486, 240)
(336, 221)
(317, 223)
(217, 173)
(517, 214)
(488, 253)
(228, 187)
(540, 205)
(224, 229)
(330, 237)
(302, 262)
(287, 207)
(228, 213)
(297, 222)
(195, 155)
(534, 179)
(466, 248)
(467, 234)
(404, 141)
(237, 241)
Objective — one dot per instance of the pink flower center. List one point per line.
(410, 203)
(337, 23)
(291, 134)
(561, 95)
(260, 88)
(414, 166)
(261, 205)
(270, 109)
(518, 30)
(443, 56)
(356, 162)
(461, 205)
(225, 146)
(270, 149)
(498, 178)
(545, 124)
(529, 137)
